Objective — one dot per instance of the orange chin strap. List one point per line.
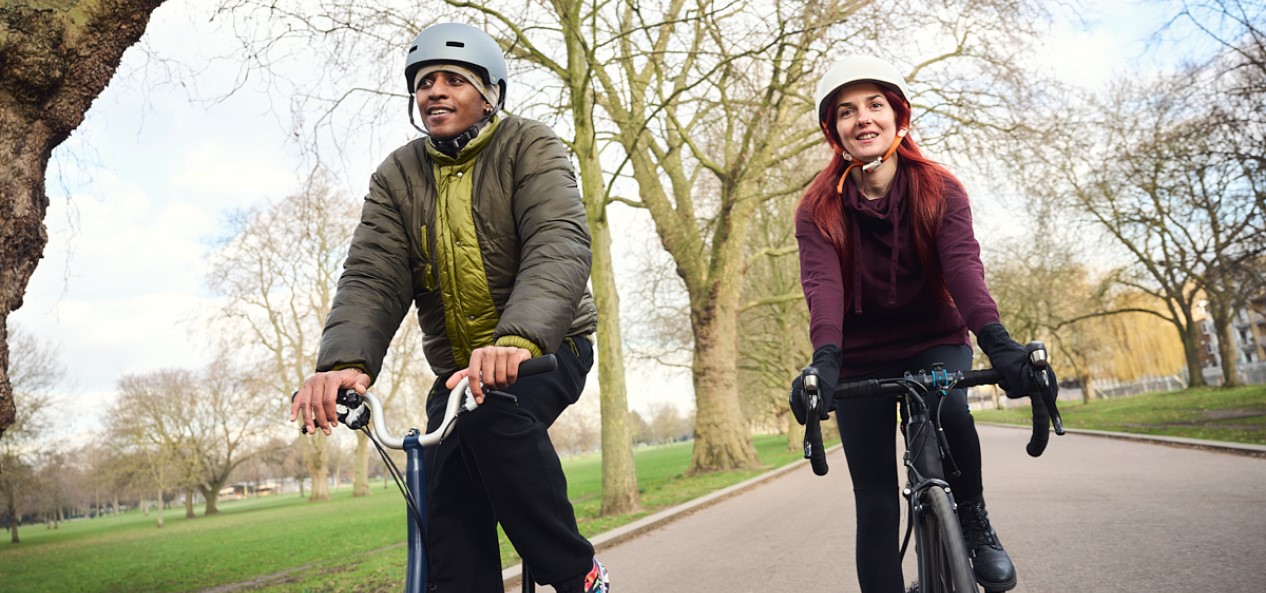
(871, 166)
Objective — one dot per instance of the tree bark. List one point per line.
(360, 477)
(721, 438)
(55, 58)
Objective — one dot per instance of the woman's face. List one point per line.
(864, 121)
(449, 104)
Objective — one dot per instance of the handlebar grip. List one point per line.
(537, 365)
(813, 445)
(1041, 426)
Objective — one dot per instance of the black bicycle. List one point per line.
(944, 566)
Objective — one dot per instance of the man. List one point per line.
(481, 226)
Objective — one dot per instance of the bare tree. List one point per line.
(55, 58)
(278, 270)
(34, 370)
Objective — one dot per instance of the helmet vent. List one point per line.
(455, 44)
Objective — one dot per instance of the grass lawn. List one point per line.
(342, 545)
(1235, 414)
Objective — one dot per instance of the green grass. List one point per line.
(348, 544)
(1235, 415)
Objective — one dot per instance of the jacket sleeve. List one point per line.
(554, 253)
(960, 259)
(374, 290)
(822, 279)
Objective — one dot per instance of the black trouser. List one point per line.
(499, 465)
(867, 427)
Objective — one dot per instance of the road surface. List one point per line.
(1092, 514)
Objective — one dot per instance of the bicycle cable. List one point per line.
(396, 475)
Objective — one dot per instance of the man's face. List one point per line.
(449, 104)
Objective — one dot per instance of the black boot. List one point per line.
(993, 567)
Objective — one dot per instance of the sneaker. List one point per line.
(989, 561)
(597, 581)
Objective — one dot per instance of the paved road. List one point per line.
(1091, 515)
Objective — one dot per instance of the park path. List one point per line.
(1092, 514)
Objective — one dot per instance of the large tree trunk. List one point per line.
(211, 492)
(721, 439)
(55, 58)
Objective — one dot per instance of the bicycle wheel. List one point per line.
(943, 563)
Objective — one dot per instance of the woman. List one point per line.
(892, 274)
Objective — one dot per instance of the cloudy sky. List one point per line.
(140, 193)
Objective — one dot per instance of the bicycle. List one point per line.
(365, 413)
(943, 564)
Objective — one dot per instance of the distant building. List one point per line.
(1248, 328)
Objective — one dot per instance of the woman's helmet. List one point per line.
(455, 43)
(855, 68)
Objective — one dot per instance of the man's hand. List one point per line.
(314, 404)
(495, 367)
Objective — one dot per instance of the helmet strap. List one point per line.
(871, 166)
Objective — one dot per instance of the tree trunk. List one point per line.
(212, 494)
(12, 507)
(189, 504)
(1087, 388)
(1191, 348)
(315, 453)
(619, 473)
(1227, 351)
(360, 477)
(158, 508)
(721, 441)
(55, 58)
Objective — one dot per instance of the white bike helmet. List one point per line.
(460, 44)
(858, 68)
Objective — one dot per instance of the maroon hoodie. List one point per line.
(894, 311)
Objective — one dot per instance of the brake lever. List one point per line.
(1050, 392)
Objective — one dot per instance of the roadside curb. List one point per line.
(1217, 446)
(511, 576)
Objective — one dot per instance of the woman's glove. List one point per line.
(826, 365)
(1019, 378)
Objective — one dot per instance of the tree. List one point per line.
(34, 370)
(55, 58)
(278, 271)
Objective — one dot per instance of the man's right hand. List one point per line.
(314, 404)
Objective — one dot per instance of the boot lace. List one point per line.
(976, 528)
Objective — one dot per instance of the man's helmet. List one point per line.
(455, 43)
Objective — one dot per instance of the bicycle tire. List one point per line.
(944, 563)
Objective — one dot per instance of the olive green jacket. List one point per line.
(492, 246)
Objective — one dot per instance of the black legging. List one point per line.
(867, 427)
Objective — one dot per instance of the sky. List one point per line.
(140, 192)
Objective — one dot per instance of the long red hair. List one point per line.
(925, 202)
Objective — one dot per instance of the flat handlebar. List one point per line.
(1045, 410)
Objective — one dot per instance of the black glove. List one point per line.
(1019, 378)
(826, 365)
